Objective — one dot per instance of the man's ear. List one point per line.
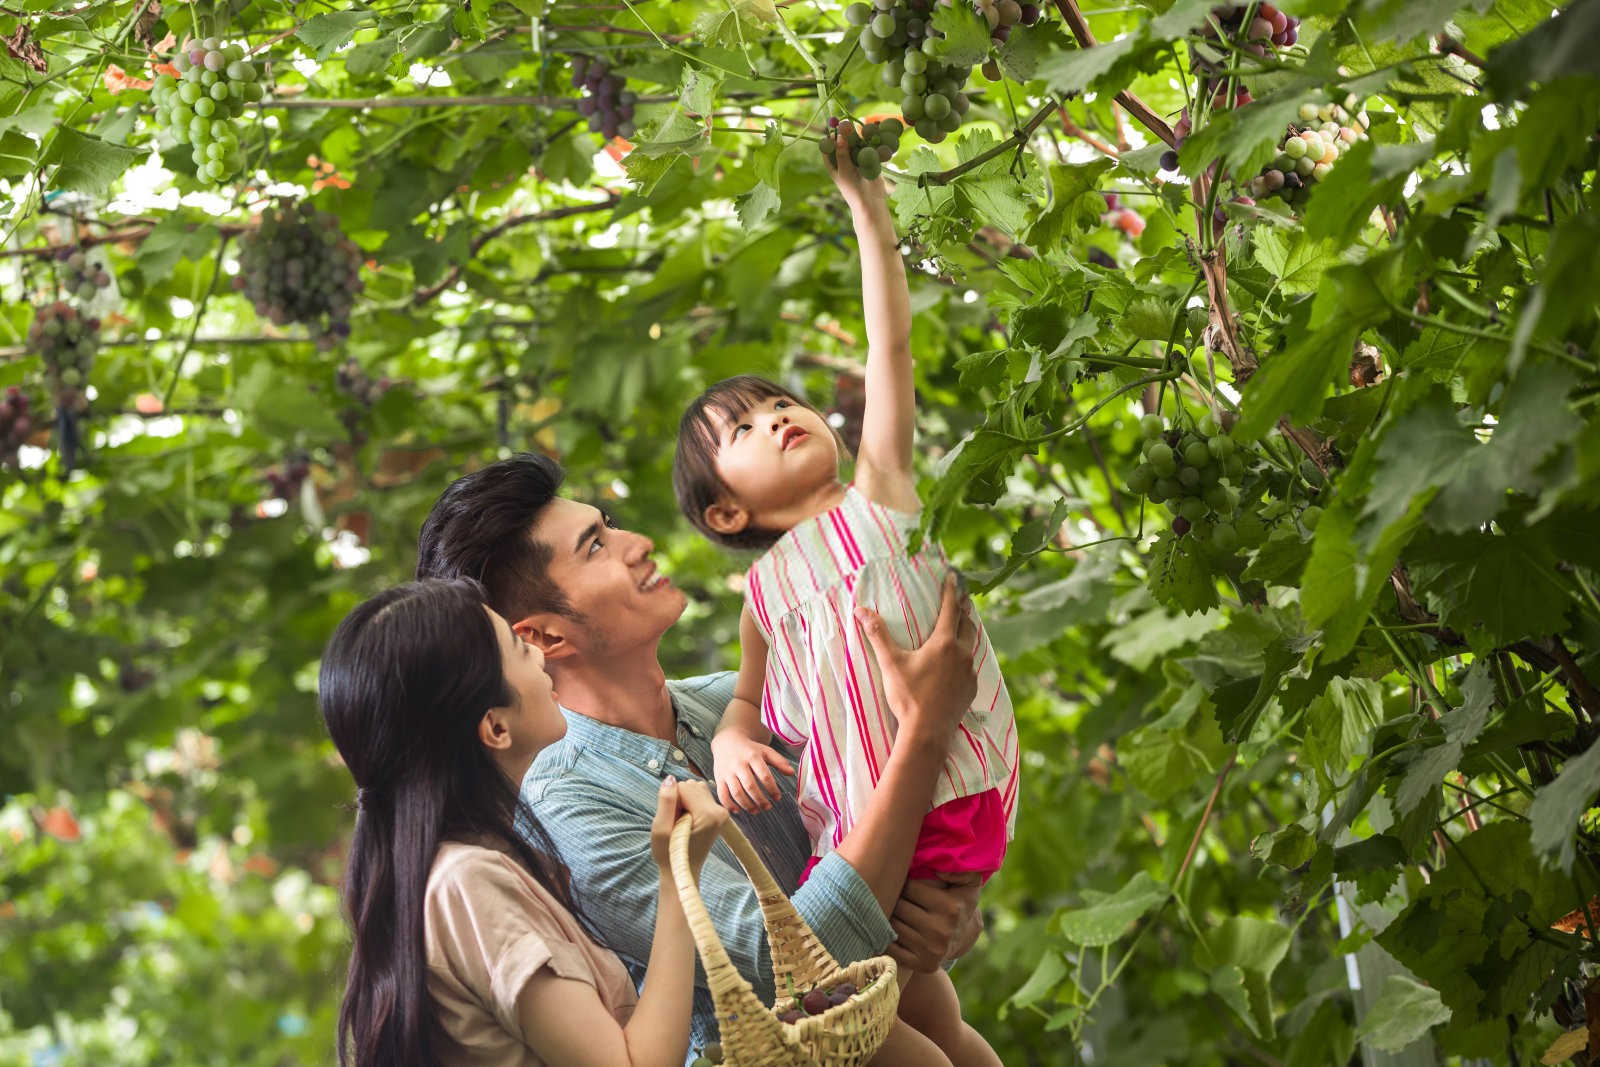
(547, 631)
(727, 519)
(493, 731)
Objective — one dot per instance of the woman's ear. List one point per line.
(726, 519)
(494, 731)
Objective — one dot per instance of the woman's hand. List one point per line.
(694, 799)
(931, 689)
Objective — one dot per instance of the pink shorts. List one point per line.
(965, 835)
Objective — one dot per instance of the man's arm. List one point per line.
(929, 691)
(606, 847)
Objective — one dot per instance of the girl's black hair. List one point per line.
(405, 681)
(695, 480)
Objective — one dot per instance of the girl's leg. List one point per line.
(907, 1048)
(929, 1003)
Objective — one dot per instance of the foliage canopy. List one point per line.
(1363, 718)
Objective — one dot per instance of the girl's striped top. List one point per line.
(823, 689)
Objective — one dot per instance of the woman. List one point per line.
(467, 947)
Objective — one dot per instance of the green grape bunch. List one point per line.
(199, 106)
(81, 278)
(870, 147)
(66, 340)
(16, 423)
(1195, 473)
(899, 36)
(297, 265)
(1310, 148)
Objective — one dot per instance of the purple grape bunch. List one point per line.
(607, 102)
(16, 424)
(283, 483)
(297, 265)
(81, 278)
(66, 340)
(1268, 29)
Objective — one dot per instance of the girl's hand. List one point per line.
(694, 799)
(741, 767)
(858, 193)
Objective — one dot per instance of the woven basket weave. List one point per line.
(752, 1034)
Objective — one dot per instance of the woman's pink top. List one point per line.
(489, 928)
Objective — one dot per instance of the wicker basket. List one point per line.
(845, 1035)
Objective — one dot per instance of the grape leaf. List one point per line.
(1180, 574)
(1107, 920)
(965, 37)
(327, 32)
(757, 205)
(1461, 727)
(1557, 806)
(87, 164)
(1074, 203)
(1535, 419)
(1403, 1012)
(1493, 589)
(1555, 48)
(1340, 721)
(1421, 451)
(1293, 382)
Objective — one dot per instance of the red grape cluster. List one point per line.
(16, 423)
(1195, 473)
(1122, 217)
(298, 266)
(79, 277)
(1310, 148)
(1002, 15)
(817, 1001)
(1268, 28)
(607, 103)
(66, 341)
(284, 483)
(873, 145)
(200, 105)
(899, 35)
(353, 381)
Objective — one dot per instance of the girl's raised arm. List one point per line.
(888, 429)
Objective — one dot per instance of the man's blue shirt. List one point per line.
(595, 792)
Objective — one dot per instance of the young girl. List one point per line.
(758, 467)
(468, 949)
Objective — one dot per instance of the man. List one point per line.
(589, 595)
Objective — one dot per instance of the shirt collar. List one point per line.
(696, 722)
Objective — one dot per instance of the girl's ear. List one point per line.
(727, 519)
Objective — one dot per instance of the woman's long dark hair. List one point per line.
(405, 682)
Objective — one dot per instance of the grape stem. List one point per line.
(1018, 140)
(1136, 107)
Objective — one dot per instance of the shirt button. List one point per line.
(654, 765)
(677, 754)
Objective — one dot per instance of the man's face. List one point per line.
(608, 577)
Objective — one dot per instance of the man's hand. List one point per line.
(931, 689)
(935, 921)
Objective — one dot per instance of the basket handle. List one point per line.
(797, 954)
